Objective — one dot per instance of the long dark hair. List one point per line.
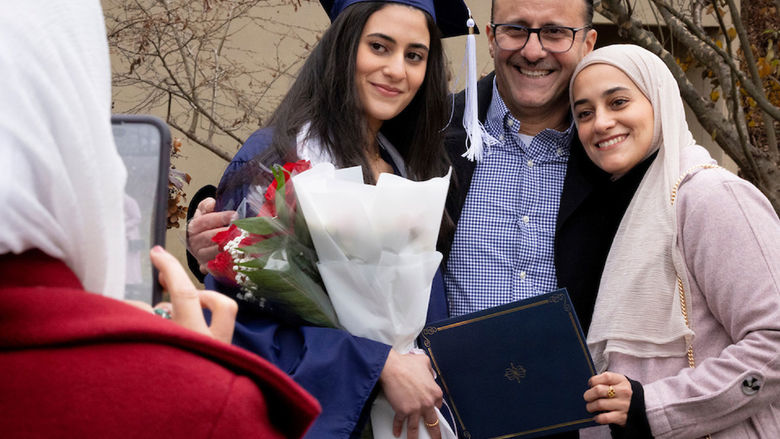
(325, 95)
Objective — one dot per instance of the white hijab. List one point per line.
(638, 305)
(61, 178)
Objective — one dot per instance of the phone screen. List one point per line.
(144, 144)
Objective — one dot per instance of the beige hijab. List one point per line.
(61, 178)
(638, 306)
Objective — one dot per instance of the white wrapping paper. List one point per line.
(377, 257)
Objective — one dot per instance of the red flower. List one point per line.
(225, 236)
(221, 268)
(289, 170)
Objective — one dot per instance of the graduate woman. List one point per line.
(688, 306)
(372, 93)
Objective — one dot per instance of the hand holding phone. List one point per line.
(188, 302)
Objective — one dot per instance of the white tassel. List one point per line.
(476, 135)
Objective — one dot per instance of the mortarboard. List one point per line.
(450, 15)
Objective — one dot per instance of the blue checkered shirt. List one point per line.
(504, 242)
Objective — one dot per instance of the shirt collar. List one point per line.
(500, 119)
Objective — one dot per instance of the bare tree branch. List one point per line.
(684, 23)
(698, 34)
(729, 85)
(182, 57)
(750, 61)
(202, 142)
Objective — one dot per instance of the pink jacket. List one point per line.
(730, 238)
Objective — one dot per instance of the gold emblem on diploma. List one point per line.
(514, 373)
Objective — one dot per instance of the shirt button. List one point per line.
(751, 385)
(530, 163)
(522, 275)
(501, 138)
(525, 219)
(510, 122)
(559, 151)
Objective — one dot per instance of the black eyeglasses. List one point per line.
(555, 39)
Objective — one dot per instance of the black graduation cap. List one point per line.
(450, 15)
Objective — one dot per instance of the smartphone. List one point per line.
(144, 142)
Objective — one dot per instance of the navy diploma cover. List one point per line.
(514, 371)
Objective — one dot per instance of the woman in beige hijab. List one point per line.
(688, 306)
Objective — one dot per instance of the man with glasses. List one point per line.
(534, 176)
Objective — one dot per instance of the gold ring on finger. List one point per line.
(611, 392)
(432, 424)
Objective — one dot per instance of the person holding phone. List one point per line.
(74, 359)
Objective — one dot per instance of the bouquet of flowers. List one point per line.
(377, 257)
(373, 248)
(270, 257)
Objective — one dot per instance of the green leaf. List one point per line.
(258, 262)
(265, 246)
(307, 264)
(301, 229)
(296, 292)
(260, 225)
